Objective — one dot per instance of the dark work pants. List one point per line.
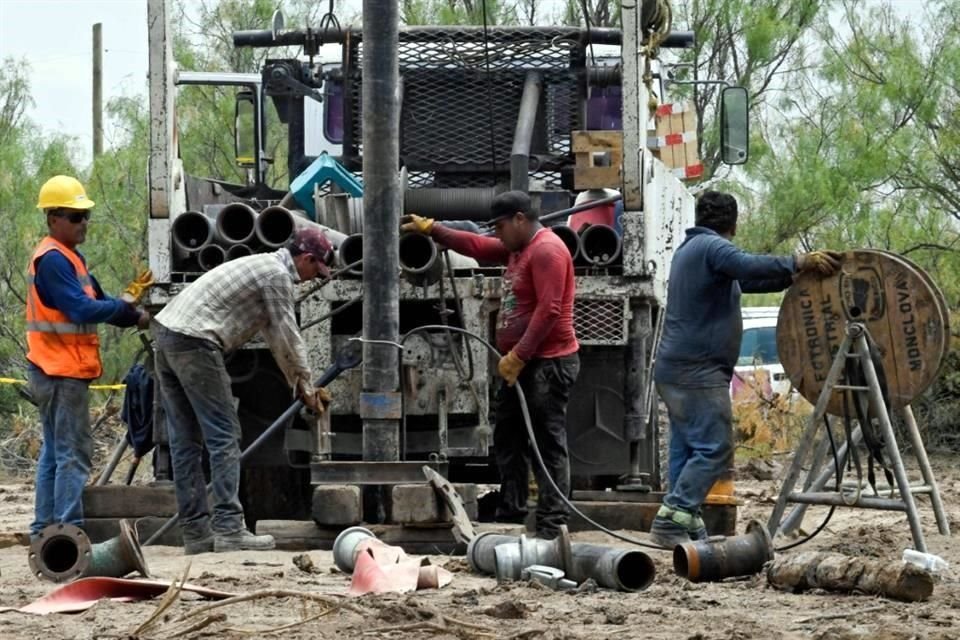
(546, 386)
(200, 413)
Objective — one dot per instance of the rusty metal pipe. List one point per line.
(724, 557)
(236, 222)
(600, 245)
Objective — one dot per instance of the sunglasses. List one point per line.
(75, 217)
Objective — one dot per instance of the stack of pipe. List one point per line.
(237, 231)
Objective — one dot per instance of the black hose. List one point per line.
(533, 439)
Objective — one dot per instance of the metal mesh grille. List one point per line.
(600, 321)
(450, 105)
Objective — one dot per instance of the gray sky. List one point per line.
(56, 37)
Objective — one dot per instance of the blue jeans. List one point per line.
(701, 442)
(200, 412)
(64, 464)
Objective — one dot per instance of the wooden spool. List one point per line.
(903, 310)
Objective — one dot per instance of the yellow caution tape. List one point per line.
(95, 387)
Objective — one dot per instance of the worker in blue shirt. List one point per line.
(64, 305)
(699, 348)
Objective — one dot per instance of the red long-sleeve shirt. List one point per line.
(536, 309)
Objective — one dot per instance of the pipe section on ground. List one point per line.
(191, 231)
(211, 256)
(570, 238)
(236, 223)
(63, 552)
(351, 250)
(600, 245)
(717, 558)
(612, 568)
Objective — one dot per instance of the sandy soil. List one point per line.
(476, 607)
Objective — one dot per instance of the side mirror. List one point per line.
(244, 129)
(734, 125)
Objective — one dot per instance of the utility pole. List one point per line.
(97, 89)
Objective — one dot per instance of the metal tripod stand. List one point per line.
(855, 346)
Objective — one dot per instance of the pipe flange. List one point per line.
(133, 554)
(60, 553)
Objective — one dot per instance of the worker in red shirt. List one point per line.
(535, 332)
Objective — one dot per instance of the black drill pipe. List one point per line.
(382, 202)
(211, 256)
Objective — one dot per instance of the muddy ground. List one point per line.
(476, 607)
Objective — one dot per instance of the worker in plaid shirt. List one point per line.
(217, 314)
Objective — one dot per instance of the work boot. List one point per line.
(200, 545)
(671, 527)
(242, 540)
(698, 531)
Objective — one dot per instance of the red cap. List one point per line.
(311, 240)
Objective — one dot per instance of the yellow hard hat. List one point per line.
(63, 192)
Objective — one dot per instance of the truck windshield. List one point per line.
(758, 347)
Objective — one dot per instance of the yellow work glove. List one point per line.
(317, 400)
(825, 263)
(137, 287)
(417, 224)
(510, 367)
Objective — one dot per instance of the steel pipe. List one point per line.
(570, 238)
(345, 547)
(211, 256)
(717, 558)
(276, 225)
(236, 222)
(612, 568)
(191, 231)
(419, 259)
(238, 251)
(63, 552)
(351, 250)
(620, 569)
(523, 134)
(600, 245)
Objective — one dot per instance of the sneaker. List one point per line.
(202, 545)
(667, 533)
(242, 540)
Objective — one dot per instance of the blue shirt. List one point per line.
(703, 326)
(58, 287)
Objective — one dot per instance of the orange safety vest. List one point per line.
(56, 345)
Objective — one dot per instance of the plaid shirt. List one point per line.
(231, 303)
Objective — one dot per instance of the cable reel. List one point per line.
(905, 315)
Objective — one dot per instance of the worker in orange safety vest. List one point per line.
(64, 305)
